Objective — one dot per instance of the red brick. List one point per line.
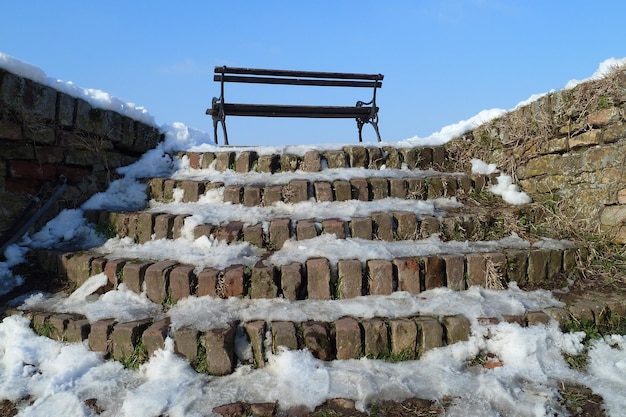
(297, 191)
(254, 235)
(306, 229)
(220, 350)
(192, 190)
(334, 226)
(245, 161)
(99, 335)
(360, 189)
(112, 269)
(233, 194)
(407, 226)
(280, 231)
(263, 281)
(350, 278)
(272, 194)
(323, 191)
(153, 338)
(380, 272)
(157, 280)
(361, 227)
(318, 279)
(408, 272)
(317, 339)
(403, 338)
(234, 281)
(375, 337)
(252, 195)
(124, 337)
(163, 224)
(256, 335)
(207, 282)
(434, 272)
(291, 281)
(379, 188)
(134, 274)
(430, 334)
(31, 170)
(284, 333)
(230, 232)
(342, 190)
(383, 226)
(186, 342)
(397, 188)
(455, 271)
(182, 282)
(457, 328)
(348, 336)
(312, 161)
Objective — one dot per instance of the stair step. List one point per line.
(272, 230)
(426, 187)
(323, 278)
(234, 340)
(368, 157)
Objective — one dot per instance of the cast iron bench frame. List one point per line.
(363, 112)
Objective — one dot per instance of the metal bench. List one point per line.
(363, 112)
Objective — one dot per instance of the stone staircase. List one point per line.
(417, 225)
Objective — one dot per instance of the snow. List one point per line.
(58, 377)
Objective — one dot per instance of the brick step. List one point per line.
(392, 339)
(471, 223)
(368, 157)
(166, 281)
(428, 187)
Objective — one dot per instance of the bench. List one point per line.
(363, 112)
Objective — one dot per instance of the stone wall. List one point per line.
(45, 134)
(567, 150)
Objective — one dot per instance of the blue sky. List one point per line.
(443, 61)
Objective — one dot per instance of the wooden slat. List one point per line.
(297, 81)
(296, 74)
(271, 110)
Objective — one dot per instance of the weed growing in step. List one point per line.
(137, 357)
(44, 329)
(107, 230)
(199, 363)
(407, 354)
(609, 323)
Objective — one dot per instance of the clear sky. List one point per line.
(443, 61)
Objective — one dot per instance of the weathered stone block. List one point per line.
(233, 282)
(430, 334)
(537, 317)
(357, 156)
(99, 335)
(224, 161)
(145, 227)
(343, 190)
(284, 333)
(348, 336)
(361, 227)
(182, 282)
(186, 341)
(379, 188)
(134, 273)
(434, 272)
(516, 266)
(393, 159)
(383, 226)
(58, 323)
(316, 339)
(454, 271)
(233, 194)
(288, 163)
(409, 273)
(220, 350)
(334, 226)
(323, 191)
(163, 224)
(537, 266)
(280, 231)
(263, 281)
(78, 329)
(230, 232)
(312, 161)
(296, 191)
(125, 336)
(207, 282)
(360, 189)
(256, 334)
(403, 338)
(78, 268)
(435, 188)
(268, 163)
(335, 159)
(254, 235)
(457, 328)
(192, 190)
(245, 161)
(397, 188)
(375, 157)
(416, 188)
(350, 278)
(306, 229)
(157, 278)
(376, 340)
(113, 269)
(380, 274)
(411, 157)
(252, 195)
(153, 338)
(407, 226)
(206, 159)
(318, 279)
(291, 281)
(272, 194)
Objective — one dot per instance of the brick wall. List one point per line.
(45, 133)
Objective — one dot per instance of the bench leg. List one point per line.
(375, 125)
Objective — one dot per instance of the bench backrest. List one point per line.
(268, 76)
